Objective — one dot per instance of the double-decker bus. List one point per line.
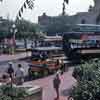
(84, 42)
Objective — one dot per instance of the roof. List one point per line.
(47, 48)
(53, 38)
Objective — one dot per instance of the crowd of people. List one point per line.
(17, 77)
(12, 76)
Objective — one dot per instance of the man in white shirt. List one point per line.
(19, 75)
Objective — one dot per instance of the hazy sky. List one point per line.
(51, 7)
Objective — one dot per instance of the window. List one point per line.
(83, 21)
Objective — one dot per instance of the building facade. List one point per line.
(90, 17)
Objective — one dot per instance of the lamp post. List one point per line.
(13, 30)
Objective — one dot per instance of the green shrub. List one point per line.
(88, 77)
(86, 71)
(7, 93)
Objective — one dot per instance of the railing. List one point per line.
(79, 46)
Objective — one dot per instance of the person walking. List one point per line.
(29, 74)
(32, 45)
(10, 70)
(56, 84)
(19, 75)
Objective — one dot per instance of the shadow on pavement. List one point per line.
(66, 92)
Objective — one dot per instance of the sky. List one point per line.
(10, 8)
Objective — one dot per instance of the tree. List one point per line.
(26, 29)
(29, 3)
(67, 1)
(88, 87)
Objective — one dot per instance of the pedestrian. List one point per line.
(56, 84)
(32, 45)
(19, 75)
(6, 79)
(62, 68)
(10, 70)
(29, 74)
(57, 62)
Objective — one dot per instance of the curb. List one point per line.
(6, 61)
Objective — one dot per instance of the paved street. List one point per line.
(46, 83)
(6, 58)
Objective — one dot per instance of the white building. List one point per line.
(90, 17)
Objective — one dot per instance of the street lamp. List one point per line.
(14, 31)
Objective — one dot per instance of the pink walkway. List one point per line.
(46, 83)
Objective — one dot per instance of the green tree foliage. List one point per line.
(67, 1)
(26, 29)
(25, 26)
(88, 77)
(7, 93)
(5, 27)
(27, 4)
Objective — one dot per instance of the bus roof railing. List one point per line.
(52, 48)
(87, 25)
(84, 27)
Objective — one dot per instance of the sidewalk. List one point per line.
(48, 91)
(6, 58)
